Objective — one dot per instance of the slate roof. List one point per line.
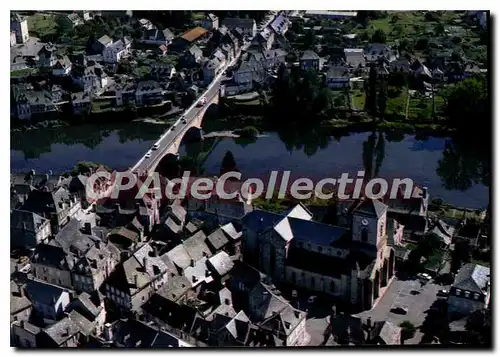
(309, 55)
(52, 255)
(193, 225)
(195, 51)
(472, 277)
(44, 202)
(17, 303)
(179, 256)
(233, 22)
(175, 288)
(443, 231)
(173, 226)
(63, 330)
(198, 273)
(387, 331)
(105, 40)
(132, 333)
(299, 211)
(309, 231)
(70, 238)
(221, 263)
(195, 246)
(29, 221)
(217, 239)
(231, 231)
(42, 292)
(86, 302)
(371, 207)
(86, 326)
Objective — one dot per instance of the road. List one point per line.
(402, 293)
(144, 164)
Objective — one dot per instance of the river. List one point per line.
(428, 162)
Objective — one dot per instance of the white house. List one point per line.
(19, 25)
(470, 290)
(115, 52)
(91, 78)
(12, 38)
(211, 69)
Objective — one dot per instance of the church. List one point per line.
(350, 263)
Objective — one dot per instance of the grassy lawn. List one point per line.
(42, 24)
(22, 72)
(141, 71)
(195, 16)
(397, 105)
(358, 99)
(435, 259)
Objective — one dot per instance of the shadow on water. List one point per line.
(462, 165)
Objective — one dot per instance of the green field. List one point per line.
(42, 24)
(358, 99)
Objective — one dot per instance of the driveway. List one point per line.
(399, 294)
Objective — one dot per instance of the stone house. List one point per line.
(210, 22)
(377, 51)
(49, 301)
(91, 309)
(20, 305)
(337, 77)
(58, 206)
(62, 66)
(67, 332)
(309, 60)
(116, 51)
(47, 56)
(470, 290)
(352, 264)
(51, 264)
(90, 78)
(157, 37)
(24, 334)
(100, 44)
(132, 283)
(248, 26)
(28, 229)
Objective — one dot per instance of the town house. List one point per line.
(118, 50)
(90, 78)
(470, 290)
(158, 37)
(28, 229)
(210, 22)
(248, 26)
(49, 301)
(309, 60)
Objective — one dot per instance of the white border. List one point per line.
(220, 4)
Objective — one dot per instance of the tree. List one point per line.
(461, 254)
(407, 330)
(478, 328)
(379, 36)
(228, 163)
(469, 99)
(422, 44)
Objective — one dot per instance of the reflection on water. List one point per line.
(449, 171)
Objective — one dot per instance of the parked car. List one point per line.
(442, 292)
(399, 310)
(148, 155)
(184, 121)
(202, 102)
(424, 276)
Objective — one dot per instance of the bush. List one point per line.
(248, 132)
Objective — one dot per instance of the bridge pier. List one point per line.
(194, 135)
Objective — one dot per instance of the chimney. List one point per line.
(136, 283)
(20, 290)
(137, 208)
(22, 323)
(424, 192)
(47, 177)
(87, 228)
(108, 332)
(192, 262)
(117, 208)
(98, 244)
(144, 262)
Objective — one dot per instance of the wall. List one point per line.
(52, 275)
(303, 278)
(23, 338)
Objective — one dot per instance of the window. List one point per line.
(364, 235)
(332, 286)
(476, 296)
(467, 294)
(457, 292)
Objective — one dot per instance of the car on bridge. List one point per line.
(148, 155)
(202, 102)
(155, 147)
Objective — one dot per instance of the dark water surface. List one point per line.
(428, 162)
